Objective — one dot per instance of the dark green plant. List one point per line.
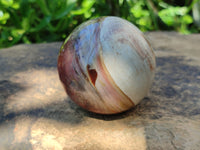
(30, 21)
(35, 21)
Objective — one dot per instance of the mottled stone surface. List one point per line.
(35, 112)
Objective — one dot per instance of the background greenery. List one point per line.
(35, 21)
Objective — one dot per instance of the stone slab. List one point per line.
(35, 112)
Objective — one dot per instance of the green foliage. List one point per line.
(175, 16)
(35, 21)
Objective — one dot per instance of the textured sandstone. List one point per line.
(35, 112)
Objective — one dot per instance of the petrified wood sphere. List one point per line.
(106, 65)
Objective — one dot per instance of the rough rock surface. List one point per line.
(35, 112)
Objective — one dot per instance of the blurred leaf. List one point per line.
(16, 35)
(43, 23)
(196, 13)
(4, 35)
(4, 16)
(25, 24)
(7, 3)
(169, 15)
(26, 40)
(142, 17)
(187, 19)
(32, 1)
(121, 2)
(43, 7)
(163, 4)
(64, 11)
(16, 5)
(85, 8)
